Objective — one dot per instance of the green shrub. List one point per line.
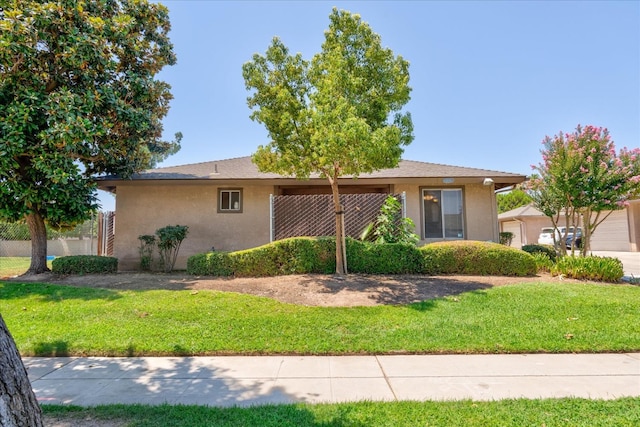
(604, 269)
(390, 226)
(476, 258)
(298, 255)
(543, 262)
(84, 264)
(506, 237)
(210, 264)
(302, 255)
(376, 258)
(147, 244)
(548, 250)
(168, 242)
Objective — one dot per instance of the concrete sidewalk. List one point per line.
(243, 381)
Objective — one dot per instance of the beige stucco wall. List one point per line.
(143, 208)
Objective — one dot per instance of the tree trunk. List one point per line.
(18, 403)
(38, 233)
(341, 255)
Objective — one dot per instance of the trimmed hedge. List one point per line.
(299, 255)
(476, 258)
(84, 264)
(389, 258)
(303, 255)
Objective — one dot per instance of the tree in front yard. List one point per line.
(339, 114)
(582, 179)
(78, 99)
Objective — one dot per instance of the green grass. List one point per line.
(15, 266)
(521, 412)
(49, 319)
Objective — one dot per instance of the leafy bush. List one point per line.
(548, 250)
(506, 237)
(389, 226)
(298, 255)
(605, 269)
(147, 244)
(169, 240)
(391, 258)
(301, 255)
(476, 258)
(543, 262)
(84, 264)
(210, 264)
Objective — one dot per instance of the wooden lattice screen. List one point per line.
(106, 233)
(313, 215)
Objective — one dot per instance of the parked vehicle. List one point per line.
(546, 236)
(578, 237)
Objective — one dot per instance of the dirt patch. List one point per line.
(79, 421)
(307, 289)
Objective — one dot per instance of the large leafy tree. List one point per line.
(78, 98)
(583, 179)
(512, 200)
(338, 114)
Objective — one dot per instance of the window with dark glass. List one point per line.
(443, 213)
(230, 201)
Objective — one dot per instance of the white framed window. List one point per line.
(230, 200)
(443, 213)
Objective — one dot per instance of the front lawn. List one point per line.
(58, 320)
(548, 412)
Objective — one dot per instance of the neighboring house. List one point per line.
(227, 204)
(619, 232)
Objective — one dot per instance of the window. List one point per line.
(230, 200)
(442, 213)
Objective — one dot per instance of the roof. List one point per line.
(526, 210)
(243, 168)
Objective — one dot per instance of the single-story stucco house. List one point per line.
(230, 205)
(620, 231)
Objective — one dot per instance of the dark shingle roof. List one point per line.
(243, 168)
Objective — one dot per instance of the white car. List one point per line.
(546, 234)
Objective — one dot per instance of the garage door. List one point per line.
(612, 234)
(513, 227)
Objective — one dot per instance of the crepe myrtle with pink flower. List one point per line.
(582, 179)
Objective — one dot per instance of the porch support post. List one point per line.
(404, 204)
(271, 216)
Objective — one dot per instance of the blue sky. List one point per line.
(489, 79)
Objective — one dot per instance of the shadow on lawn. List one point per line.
(400, 290)
(14, 289)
